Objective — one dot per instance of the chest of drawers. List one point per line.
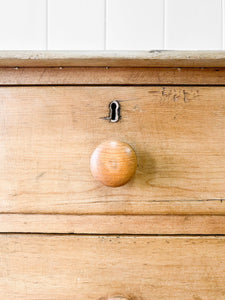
(75, 125)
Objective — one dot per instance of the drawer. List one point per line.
(94, 268)
(64, 234)
(49, 133)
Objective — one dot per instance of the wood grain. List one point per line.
(113, 163)
(111, 76)
(116, 224)
(92, 268)
(48, 134)
(154, 58)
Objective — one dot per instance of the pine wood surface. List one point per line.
(49, 133)
(113, 224)
(153, 58)
(100, 267)
(111, 76)
(82, 240)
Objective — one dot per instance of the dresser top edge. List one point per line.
(153, 58)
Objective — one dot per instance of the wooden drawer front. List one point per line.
(91, 268)
(47, 135)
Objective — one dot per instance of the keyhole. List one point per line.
(114, 107)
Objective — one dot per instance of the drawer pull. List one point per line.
(115, 298)
(113, 163)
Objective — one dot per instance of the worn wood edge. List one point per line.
(159, 58)
(112, 224)
(150, 208)
(111, 76)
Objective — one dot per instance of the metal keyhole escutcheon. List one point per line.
(114, 111)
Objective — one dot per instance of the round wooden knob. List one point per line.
(115, 298)
(113, 163)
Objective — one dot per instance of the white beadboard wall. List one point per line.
(112, 24)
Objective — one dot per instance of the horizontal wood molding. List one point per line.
(111, 76)
(112, 224)
(100, 267)
(154, 58)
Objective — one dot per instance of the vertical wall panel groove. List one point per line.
(45, 24)
(105, 23)
(223, 14)
(164, 24)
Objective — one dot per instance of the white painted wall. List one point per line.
(112, 24)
